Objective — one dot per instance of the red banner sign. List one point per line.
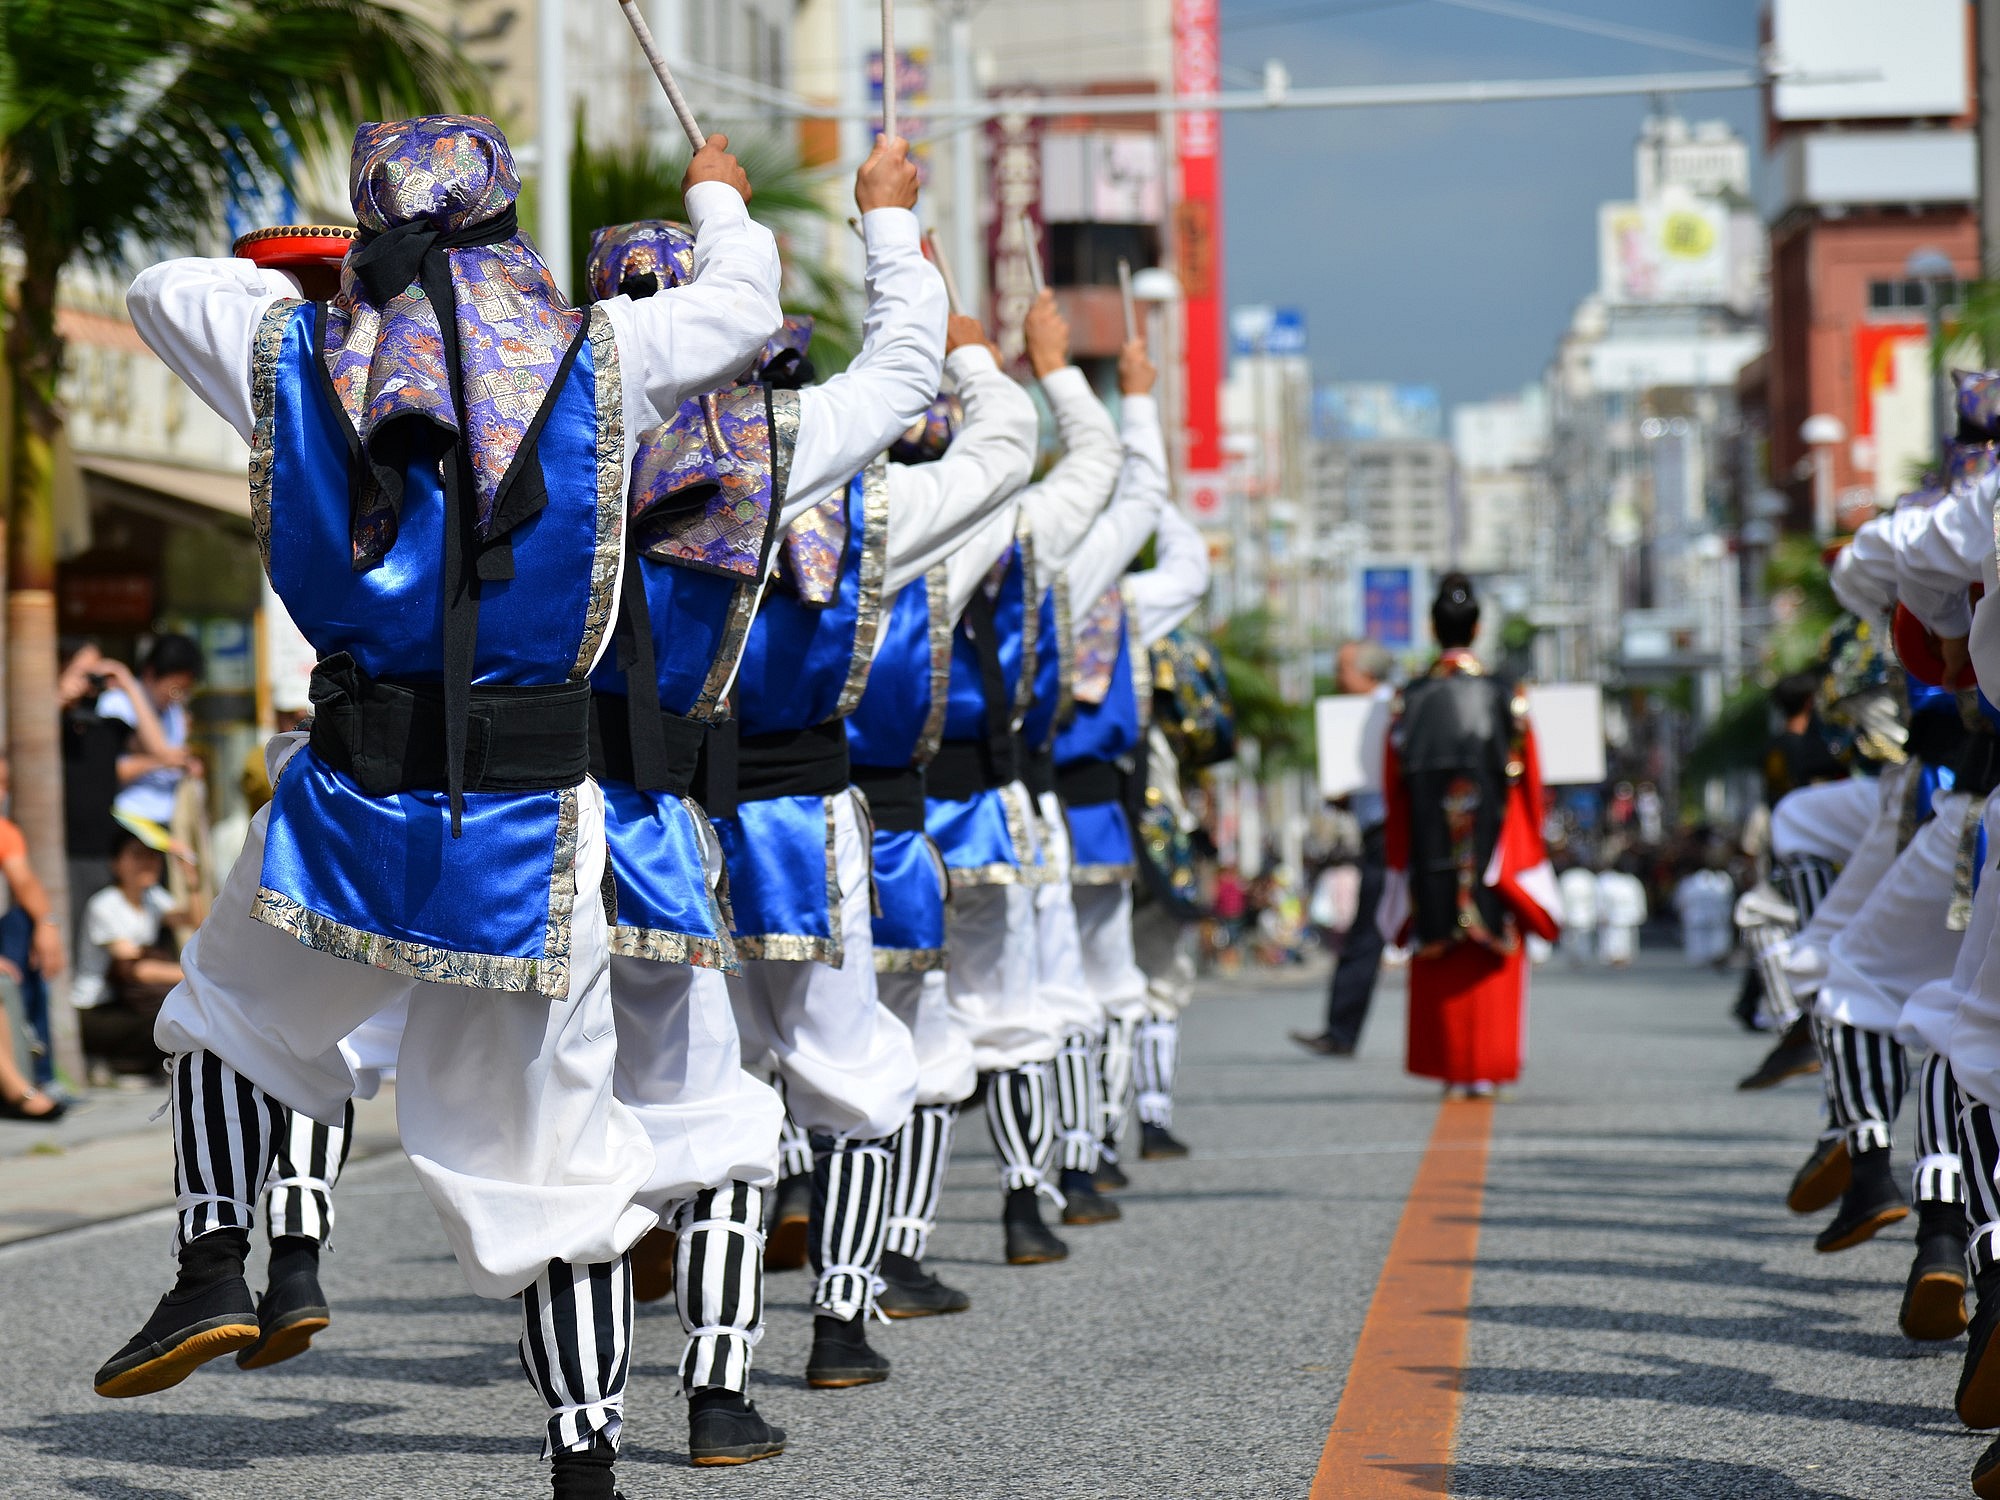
(1198, 226)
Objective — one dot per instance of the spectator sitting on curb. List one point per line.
(127, 962)
(19, 1098)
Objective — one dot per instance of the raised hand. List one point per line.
(713, 163)
(888, 179)
(1046, 332)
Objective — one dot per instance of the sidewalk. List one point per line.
(108, 1158)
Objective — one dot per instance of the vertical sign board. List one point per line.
(1198, 226)
(1389, 606)
(1015, 149)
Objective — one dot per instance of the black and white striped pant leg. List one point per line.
(1870, 1077)
(1023, 1127)
(1767, 943)
(916, 1178)
(850, 1219)
(226, 1130)
(1153, 1064)
(719, 1284)
(1940, 1169)
(1079, 1107)
(1805, 879)
(795, 1150)
(576, 1346)
(299, 1195)
(1115, 1078)
(1979, 1141)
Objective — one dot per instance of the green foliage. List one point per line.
(634, 180)
(118, 118)
(1282, 728)
(1797, 580)
(1735, 741)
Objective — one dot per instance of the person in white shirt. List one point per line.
(125, 964)
(1579, 899)
(1704, 900)
(148, 781)
(1621, 912)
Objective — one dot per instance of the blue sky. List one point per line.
(1448, 245)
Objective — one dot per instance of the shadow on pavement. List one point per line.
(219, 1443)
(1633, 1478)
(1786, 1327)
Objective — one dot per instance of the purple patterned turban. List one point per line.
(1978, 404)
(638, 259)
(930, 434)
(783, 362)
(434, 197)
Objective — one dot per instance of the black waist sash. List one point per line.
(895, 796)
(738, 768)
(1086, 783)
(391, 737)
(1038, 770)
(611, 742)
(964, 768)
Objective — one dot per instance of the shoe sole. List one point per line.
(288, 1340)
(1978, 1400)
(653, 1272)
(164, 1371)
(731, 1457)
(1759, 1081)
(1987, 1486)
(1163, 1156)
(1092, 1218)
(898, 1314)
(786, 1248)
(1865, 1231)
(1934, 1308)
(1817, 1187)
(1037, 1258)
(847, 1381)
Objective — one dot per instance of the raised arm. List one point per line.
(1121, 529)
(690, 339)
(200, 316)
(935, 507)
(1863, 576)
(1173, 588)
(1061, 507)
(1945, 551)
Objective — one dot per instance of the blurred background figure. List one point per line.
(1621, 912)
(1705, 901)
(150, 773)
(1579, 901)
(127, 961)
(31, 950)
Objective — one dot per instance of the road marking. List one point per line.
(1392, 1433)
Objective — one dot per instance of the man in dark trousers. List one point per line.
(1362, 667)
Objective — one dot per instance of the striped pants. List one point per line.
(795, 1151)
(1079, 1105)
(1804, 880)
(850, 1219)
(719, 1284)
(1153, 1062)
(1940, 1171)
(1980, 1141)
(1023, 1127)
(1115, 1078)
(298, 1195)
(576, 1320)
(916, 1178)
(1867, 1074)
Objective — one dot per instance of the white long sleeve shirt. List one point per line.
(201, 316)
(1863, 576)
(846, 421)
(1950, 550)
(936, 509)
(1061, 507)
(1160, 598)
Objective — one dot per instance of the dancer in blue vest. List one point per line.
(438, 483)
(978, 446)
(980, 813)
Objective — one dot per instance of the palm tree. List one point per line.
(120, 121)
(635, 180)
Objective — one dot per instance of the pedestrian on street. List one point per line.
(1362, 667)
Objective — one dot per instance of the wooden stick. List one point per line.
(1032, 243)
(660, 71)
(944, 270)
(855, 225)
(1125, 297)
(889, 69)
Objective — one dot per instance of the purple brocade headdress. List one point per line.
(1978, 403)
(434, 198)
(930, 434)
(783, 362)
(703, 484)
(638, 259)
(1097, 639)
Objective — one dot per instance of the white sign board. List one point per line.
(1352, 730)
(1568, 720)
(1896, 59)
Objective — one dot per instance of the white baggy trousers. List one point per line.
(504, 1100)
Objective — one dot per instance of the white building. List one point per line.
(1501, 448)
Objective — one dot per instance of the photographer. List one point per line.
(93, 746)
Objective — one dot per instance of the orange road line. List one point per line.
(1393, 1431)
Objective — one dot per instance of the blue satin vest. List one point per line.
(804, 665)
(1107, 727)
(1054, 660)
(380, 880)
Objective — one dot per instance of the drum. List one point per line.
(310, 252)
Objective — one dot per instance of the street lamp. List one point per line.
(1820, 433)
(1935, 270)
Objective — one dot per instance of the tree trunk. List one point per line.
(34, 721)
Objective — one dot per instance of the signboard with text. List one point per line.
(1391, 598)
(1198, 225)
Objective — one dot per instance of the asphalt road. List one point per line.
(1647, 1319)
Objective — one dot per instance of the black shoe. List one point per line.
(292, 1309)
(1934, 1297)
(208, 1314)
(1978, 1401)
(785, 1249)
(586, 1475)
(1823, 1178)
(1157, 1143)
(841, 1355)
(1083, 1204)
(1322, 1044)
(1871, 1203)
(1792, 1056)
(1029, 1242)
(724, 1428)
(1986, 1474)
(909, 1291)
(1110, 1176)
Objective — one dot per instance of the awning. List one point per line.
(211, 489)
